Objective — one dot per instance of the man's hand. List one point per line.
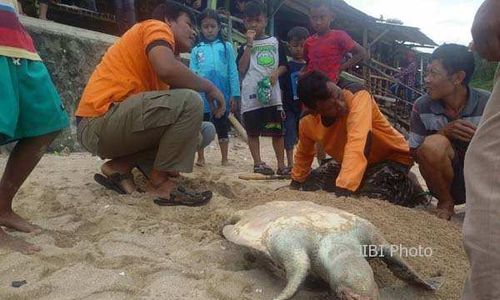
(459, 130)
(295, 185)
(215, 95)
(486, 30)
(250, 37)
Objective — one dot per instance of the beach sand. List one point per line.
(100, 245)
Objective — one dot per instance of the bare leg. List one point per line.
(224, 149)
(14, 244)
(43, 11)
(289, 157)
(254, 145)
(434, 157)
(23, 159)
(162, 184)
(279, 150)
(201, 158)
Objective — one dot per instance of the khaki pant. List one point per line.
(482, 217)
(163, 126)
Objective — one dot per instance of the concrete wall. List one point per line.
(71, 55)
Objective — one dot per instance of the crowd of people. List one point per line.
(143, 108)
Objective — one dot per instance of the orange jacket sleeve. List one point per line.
(359, 126)
(304, 153)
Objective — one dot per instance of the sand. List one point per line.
(100, 245)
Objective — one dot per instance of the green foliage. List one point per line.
(484, 74)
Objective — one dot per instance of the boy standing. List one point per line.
(31, 113)
(296, 39)
(261, 61)
(326, 49)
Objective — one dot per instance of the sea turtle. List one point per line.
(304, 238)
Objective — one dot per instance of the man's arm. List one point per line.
(486, 30)
(177, 75)
(304, 154)
(359, 127)
(358, 54)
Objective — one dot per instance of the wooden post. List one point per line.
(366, 70)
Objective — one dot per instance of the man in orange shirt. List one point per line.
(369, 156)
(141, 104)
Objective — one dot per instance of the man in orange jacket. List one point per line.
(369, 156)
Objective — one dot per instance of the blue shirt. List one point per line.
(427, 117)
(289, 82)
(213, 61)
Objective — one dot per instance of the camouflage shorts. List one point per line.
(386, 180)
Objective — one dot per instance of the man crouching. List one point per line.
(370, 157)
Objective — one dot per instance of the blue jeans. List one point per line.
(291, 129)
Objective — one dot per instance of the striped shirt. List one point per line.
(428, 116)
(14, 40)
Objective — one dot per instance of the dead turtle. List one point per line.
(304, 238)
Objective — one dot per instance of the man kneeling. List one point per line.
(370, 157)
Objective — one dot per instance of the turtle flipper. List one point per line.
(297, 264)
(400, 268)
(289, 249)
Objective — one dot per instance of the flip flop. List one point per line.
(263, 168)
(112, 182)
(182, 197)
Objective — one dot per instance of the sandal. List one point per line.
(113, 181)
(181, 196)
(263, 168)
(285, 171)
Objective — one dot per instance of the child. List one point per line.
(31, 113)
(214, 59)
(325, 50)
(261, 62)
(296, 38)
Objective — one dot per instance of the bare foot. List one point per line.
(225, 163)
(163, 190)
(445, 211)
(109, 169)
(14, 221)
(14, 244)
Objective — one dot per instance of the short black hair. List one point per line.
(322, 3)
(312, 88)
(456, 58)
(255, 9)
(298, 33)
(171, 10)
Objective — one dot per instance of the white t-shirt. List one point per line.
(267, 55)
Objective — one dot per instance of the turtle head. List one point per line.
(349, 274)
